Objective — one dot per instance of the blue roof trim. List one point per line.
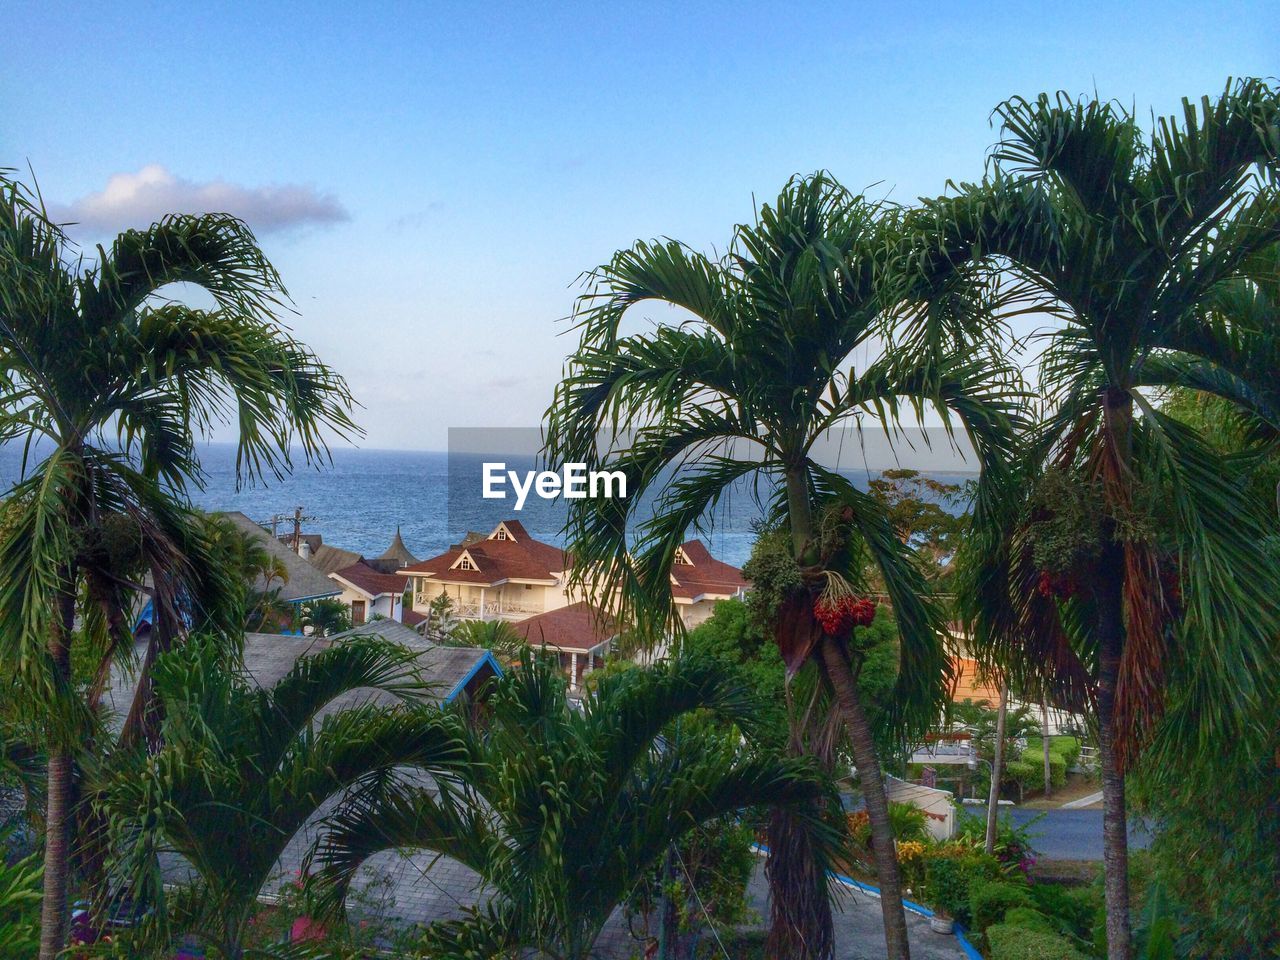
(462, 684)
(969, 949)
(318, 596)
(145, 615)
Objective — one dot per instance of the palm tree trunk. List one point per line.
(997, 765)
(800, 922)
(801, 926)
(1044, 743)
(58, 812)
(839, 673)
(1115, 839)
(888, 876)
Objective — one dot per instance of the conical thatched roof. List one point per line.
(398, 552)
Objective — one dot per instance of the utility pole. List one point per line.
(296, 518)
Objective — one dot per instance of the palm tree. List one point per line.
(243, 769)
(763, 368)
(112, 385)
(256, 571)
(326, 617)
(1125, 568)
(565, 810)
(495, 635)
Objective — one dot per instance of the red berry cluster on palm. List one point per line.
(1060, 585)
(839, 615)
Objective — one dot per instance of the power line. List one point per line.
(701, 906)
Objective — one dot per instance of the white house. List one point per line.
(371, 594)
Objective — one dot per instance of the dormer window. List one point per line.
(502, 534)
(682, 558)
(465, 562)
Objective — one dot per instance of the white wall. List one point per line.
(938, 805)
(386, 606)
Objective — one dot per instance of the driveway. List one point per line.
(858, 922)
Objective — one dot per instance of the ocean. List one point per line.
(359, 500)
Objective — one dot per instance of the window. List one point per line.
(466, 564)
(502, 533)
(528, 586)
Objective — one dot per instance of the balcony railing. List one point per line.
(492, 609)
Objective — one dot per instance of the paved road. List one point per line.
(1068, 834)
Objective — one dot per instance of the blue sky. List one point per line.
(431, 178)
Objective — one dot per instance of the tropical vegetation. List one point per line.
(1117, 557)
(243, 769)
(785, 344)
(108, 384)
(1125, 571)
(564, 811)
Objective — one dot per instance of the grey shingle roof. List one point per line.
(269, 656)
(305, 581)
(328, 558)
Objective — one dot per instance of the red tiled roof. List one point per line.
(576, 628)
(520, 557)
(364, 577)
(704, 574)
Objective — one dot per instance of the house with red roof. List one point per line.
(579, 634)
(370, 588)
(369, 593)
(699, 581)
(509, 575)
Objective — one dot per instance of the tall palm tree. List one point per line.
(243, 769)
(783, 343)
(111, 385)
(565, 810)
(1139, 584)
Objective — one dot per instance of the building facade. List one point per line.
(509, 575)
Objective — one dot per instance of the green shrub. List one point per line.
(1066, 747)
(20, 892)
(1028, 770)
(972, 866)
(1072, 909)
(1007, 941)
(989, 900)
(1030, 918)
(946, 885)
(1057, 771)
(908, 822)
(1023, 772)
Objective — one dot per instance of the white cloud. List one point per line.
(142, 198)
